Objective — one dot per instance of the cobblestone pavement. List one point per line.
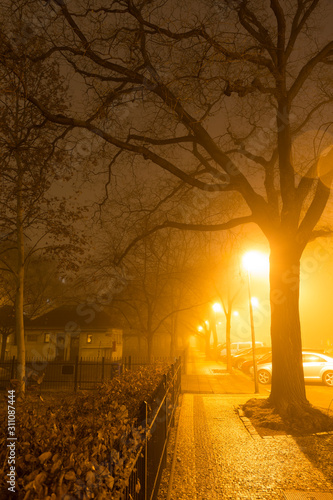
(217, 458)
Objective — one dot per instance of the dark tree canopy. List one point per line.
(232, 99)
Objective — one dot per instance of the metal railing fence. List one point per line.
(80, 373)
(158, 417)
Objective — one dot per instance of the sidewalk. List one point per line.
(211, 377)
(216, 457)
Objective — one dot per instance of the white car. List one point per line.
(316, 367)
(235, 347)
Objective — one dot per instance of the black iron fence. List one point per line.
(69, 375)
(158, 417)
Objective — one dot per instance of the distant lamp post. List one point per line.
(254, 262)
(217, 308)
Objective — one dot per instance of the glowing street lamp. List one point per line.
(254, 302)
(254, 261)
(217, 307)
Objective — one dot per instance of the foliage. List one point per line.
(83, 445)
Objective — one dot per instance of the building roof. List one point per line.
(72, 317)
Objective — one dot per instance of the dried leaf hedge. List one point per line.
(81, 446)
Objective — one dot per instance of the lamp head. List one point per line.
(255, 261)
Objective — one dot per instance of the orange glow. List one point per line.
(256, 262)
(217, 307)
(254, 301)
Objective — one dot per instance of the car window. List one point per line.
(312, 358)
(245, 345)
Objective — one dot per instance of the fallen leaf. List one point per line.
(44, 457)
(70, 475)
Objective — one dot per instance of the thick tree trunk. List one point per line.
(150, 348)
(214, 330)
(173, 337)
(19, 294)
(207, 340)
(288, 388)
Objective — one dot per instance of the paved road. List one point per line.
(211, 377)
(217, 458)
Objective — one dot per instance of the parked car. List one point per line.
(239, 359)
(239, 354)
(236, 347)
(247, 366)
(316, 366)
(224, 356)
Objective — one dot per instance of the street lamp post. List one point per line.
(253, 337)
(254, 261)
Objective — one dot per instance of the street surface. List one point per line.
(211, 377)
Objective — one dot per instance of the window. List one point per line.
(312, 358)
(89, 338)
(46, 338)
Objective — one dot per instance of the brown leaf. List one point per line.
(70, 475)
(40, 478)
(109, 482)
(45, 456)
(90, 477)
(56, 466)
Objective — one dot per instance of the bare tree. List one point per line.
(34, 218)
(160, 288)
(224, 97)
(228, 287)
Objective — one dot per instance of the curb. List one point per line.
(255, 435)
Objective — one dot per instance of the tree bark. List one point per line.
(19, 297)
(287, 372)
(150, 348)
(173, 336)
(207, 333)
(214, 330)
(227, 340)
(3, 346)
